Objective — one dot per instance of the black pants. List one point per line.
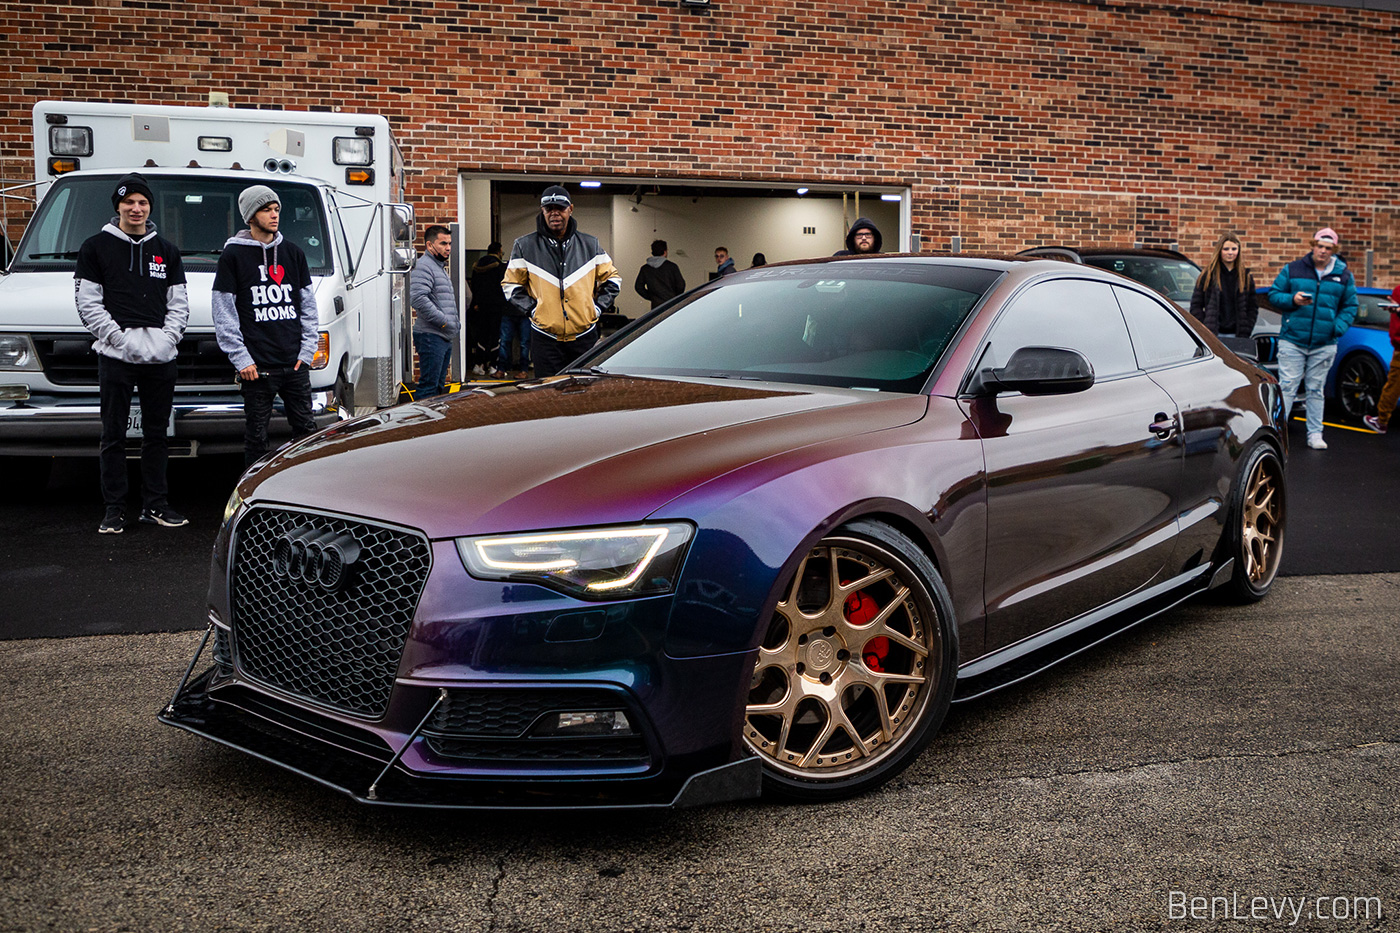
(552, 356)
(155, 385)
(294, 386)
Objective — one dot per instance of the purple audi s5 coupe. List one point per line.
(756, 542)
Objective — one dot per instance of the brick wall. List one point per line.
(1014, 123)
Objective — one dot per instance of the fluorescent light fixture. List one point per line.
(590, 184)
(891, 197)
(801, 190)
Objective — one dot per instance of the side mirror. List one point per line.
(401, 251)
(1039, 371)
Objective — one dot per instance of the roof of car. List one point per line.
(1107, 251)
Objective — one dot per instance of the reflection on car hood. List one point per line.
(579, 450)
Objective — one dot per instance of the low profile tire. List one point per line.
(1359, 383)
(1254, 534)
(857, 668)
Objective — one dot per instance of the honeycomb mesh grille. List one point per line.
(341, 649)
(505, 712)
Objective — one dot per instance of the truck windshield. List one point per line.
(196, 214)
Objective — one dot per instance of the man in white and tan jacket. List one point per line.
(131, 296)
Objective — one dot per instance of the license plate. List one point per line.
(133, 423)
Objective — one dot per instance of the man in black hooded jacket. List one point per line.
(131, 296)
(862, 238)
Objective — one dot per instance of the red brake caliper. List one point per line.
(862, 610)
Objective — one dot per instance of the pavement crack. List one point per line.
(496, 882)
(1165, 762)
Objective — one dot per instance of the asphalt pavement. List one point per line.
(1214, 759)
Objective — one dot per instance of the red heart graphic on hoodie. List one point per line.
(157, 259)
(276, 272)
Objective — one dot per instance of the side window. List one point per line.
(1158, 337)
(1071, 313)
(342, 245)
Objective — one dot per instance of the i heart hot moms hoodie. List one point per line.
(131, 295)
(263, 302)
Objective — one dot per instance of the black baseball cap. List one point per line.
(555, 196)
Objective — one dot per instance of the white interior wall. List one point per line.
(692, 228)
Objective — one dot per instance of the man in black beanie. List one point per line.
(131, 296)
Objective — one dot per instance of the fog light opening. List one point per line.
(587, 722)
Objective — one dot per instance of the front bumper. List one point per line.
(71, 425)
(362, 766)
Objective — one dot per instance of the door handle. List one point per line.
(1163, 427)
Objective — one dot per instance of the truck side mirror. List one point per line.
(401, 251)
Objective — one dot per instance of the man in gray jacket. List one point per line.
(131, 295)
(436, 321)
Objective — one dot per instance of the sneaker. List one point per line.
(1316, 442)
(164, 516)
(478, 371)
(114, 522)
(1374, 424)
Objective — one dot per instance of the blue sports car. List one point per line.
(1363, 353)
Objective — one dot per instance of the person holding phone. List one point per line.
(1317, 297)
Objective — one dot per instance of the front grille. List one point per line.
(69, 360)
(1266, 348)
(340, 648)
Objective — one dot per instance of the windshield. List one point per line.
(856, 324)
(197, 214)
(1175, 278)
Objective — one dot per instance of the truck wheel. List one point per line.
(344, 397)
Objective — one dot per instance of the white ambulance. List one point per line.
(340, 180)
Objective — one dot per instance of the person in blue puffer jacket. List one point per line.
(1317, 297)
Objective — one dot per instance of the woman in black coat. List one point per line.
(1224, 295)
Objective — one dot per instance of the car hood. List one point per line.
(560, 453)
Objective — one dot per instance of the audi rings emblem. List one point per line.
(320, 557)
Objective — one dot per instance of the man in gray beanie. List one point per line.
(265, 318)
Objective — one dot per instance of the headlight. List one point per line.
(598, 563)
(17, 353)
(235, 501)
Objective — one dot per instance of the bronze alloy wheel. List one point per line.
(1257, 524)
(854, 672)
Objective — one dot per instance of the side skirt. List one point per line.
(1029, 657)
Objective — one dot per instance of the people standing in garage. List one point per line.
(724, 263)
(1390, 393)
(1223, 299)
(486, 313)
(434, 302)
(130, 292)
(1317, 297)
(265, 319)
(863, 237)
(564, 280)
(659, 280)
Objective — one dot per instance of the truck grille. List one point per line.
(334, 638)
(69, 360)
